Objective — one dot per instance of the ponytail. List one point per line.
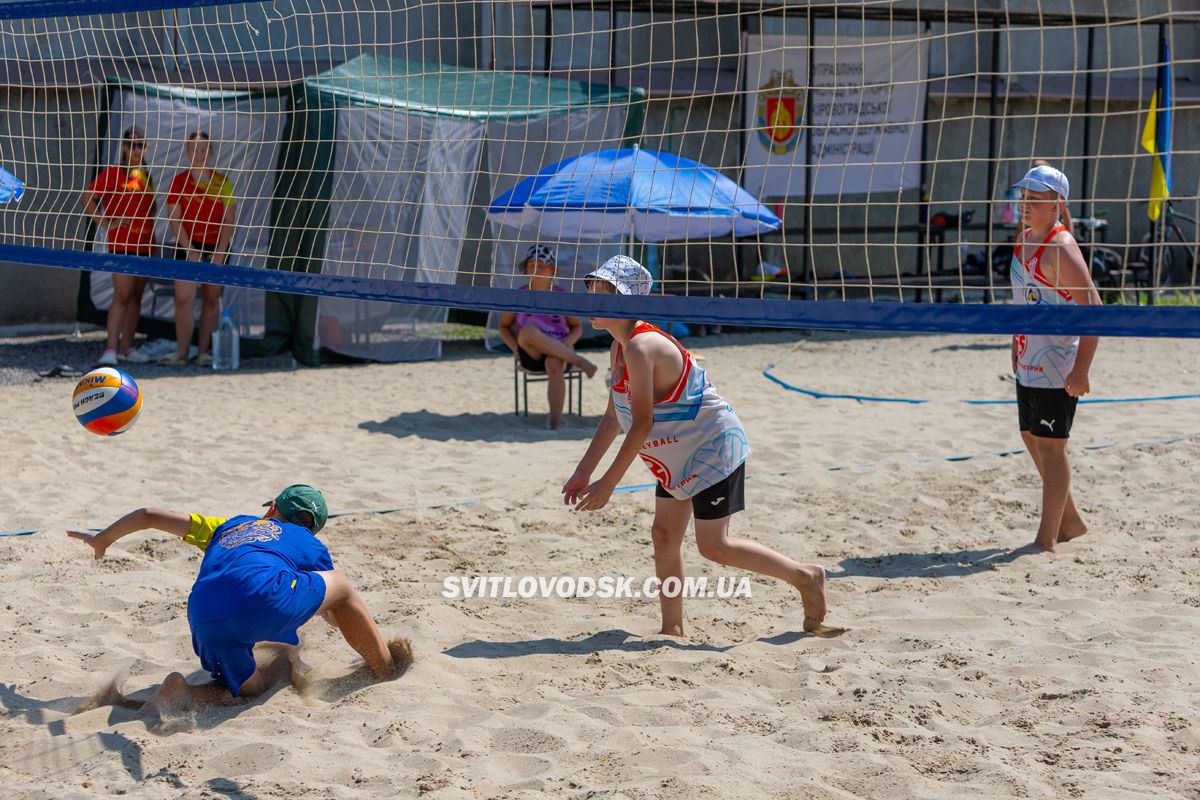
(1064, 217)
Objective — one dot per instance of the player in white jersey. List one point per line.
(692, 443)
(1052, 371)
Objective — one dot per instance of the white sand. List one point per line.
(964, 674)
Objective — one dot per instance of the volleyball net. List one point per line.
(790, 164)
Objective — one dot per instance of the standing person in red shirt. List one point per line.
(121, 202)
(201, 212)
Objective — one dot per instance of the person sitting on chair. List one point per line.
(545, 343)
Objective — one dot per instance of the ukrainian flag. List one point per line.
(1156, 135)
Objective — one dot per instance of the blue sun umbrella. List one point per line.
(612, 194)
(11, 187)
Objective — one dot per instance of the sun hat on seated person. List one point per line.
(1045, 179)
(625, 274)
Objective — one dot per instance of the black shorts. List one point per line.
(206, 251)
(529, 363)
(1048, 413)
(720, 500)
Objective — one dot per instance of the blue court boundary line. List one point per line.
(823, 396)
(868, 399)
(641, 487)
(1140, 321)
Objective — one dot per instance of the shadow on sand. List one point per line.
(926, 565)
(615, 639)
(491, 427)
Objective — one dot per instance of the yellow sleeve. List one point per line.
(202, 530)
(225, 192)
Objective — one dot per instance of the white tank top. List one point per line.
(697, 440)
(1043, 361)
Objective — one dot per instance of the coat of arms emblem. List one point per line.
(779, 112)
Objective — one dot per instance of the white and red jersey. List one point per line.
(1043, 361)
(697, 441)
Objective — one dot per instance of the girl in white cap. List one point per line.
(692, 443)
(1052, 371)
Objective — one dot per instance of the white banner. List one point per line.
(868, 101)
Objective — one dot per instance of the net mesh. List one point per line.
(753, 157)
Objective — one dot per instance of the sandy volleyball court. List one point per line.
(965, 673)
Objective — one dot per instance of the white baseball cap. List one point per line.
(625, 274)
(1045, 179)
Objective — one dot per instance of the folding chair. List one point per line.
(523, 377)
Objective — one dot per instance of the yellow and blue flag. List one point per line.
(1156, 135)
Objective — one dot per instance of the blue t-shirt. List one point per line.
(256, 564)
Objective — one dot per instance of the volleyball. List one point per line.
(107, 401)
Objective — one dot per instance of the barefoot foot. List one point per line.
(810, 582)
(170, 697)
(1033, 549)
(672, 630)
(589, 369)
(1073, 531)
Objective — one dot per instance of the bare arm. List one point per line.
(225, 237)
(576, 331)
(143, 519)
(507, 320)
(91, 206)
(640, 364)
(602, 439)
(175, 223)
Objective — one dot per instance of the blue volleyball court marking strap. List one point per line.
(911, 401)
(1149, 321)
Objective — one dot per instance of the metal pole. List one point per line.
(548, 63)
(992, 165)
(1085, 205)
(810, 268)
(923, 216)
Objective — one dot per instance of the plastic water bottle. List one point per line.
(225, 343)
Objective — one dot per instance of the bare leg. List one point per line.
(185, 316)
(671, 517)
(1072, 525)
(1056, 487)
(210, 313)
(556, 389)
(122, 290)
(133, 311)
(348, 612)
(715, 544)
(537, 344)
(176, 695)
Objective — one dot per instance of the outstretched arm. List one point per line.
(143, 519)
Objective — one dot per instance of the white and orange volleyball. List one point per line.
(107, 401)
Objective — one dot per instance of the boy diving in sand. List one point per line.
(260, 580)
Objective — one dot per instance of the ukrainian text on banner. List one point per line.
(868, 101)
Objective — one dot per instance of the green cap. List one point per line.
(301, 497)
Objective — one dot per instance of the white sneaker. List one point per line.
(154, 349)
(135, 357)
(108, 359)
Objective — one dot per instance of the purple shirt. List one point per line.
(553, 325)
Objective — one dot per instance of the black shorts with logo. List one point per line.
(720, 500)
(1048, 413)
